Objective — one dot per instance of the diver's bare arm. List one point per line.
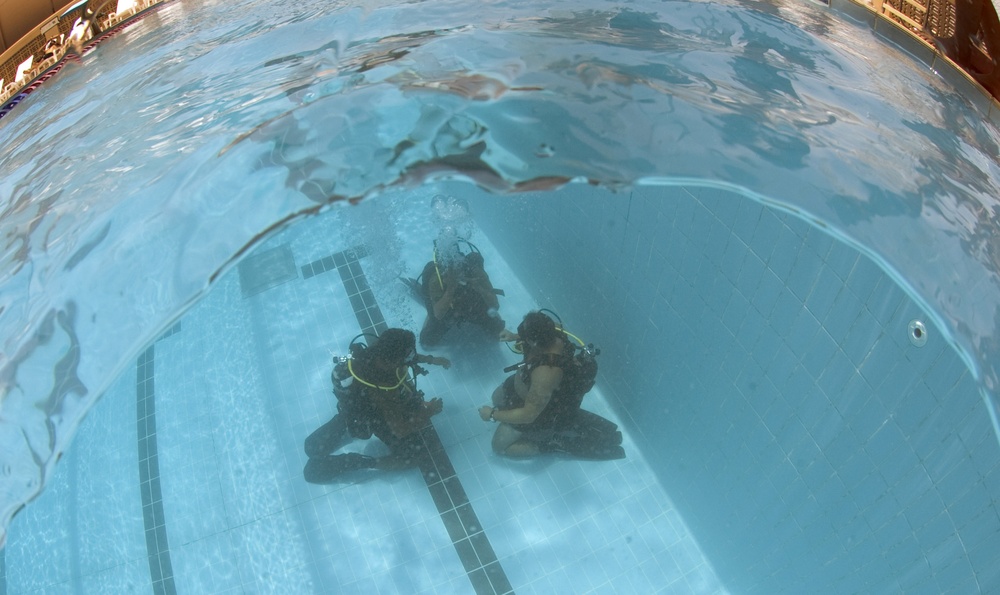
(432, 359)
(544, 380)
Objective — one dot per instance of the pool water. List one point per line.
(747, 216)
(243, 378)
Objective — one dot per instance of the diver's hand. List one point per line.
(430, 359)
(506, 335)
(486, 413)
(434, 406)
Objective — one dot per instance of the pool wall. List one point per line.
(768, 368)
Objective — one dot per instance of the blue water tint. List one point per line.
(132, 183)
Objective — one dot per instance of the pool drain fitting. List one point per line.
(917, 333)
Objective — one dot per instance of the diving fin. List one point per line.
(589, 437)
(604, 448)
(328, 468)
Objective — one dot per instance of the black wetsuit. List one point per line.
(562, 425)
(359, 416)
(468, 307)
(562, 405)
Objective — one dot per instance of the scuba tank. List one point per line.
(352, 403)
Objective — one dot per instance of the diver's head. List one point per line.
(537, 330)
(473, 262)
(394, 347)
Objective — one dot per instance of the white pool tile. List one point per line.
(245, 380)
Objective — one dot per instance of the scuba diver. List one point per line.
(376, 394)
(456, 290)
(538, 407)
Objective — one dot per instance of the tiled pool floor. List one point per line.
(242, 380)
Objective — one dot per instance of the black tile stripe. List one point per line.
(149, 477)
(467, 535)
(173, 330)
(330, 263)
(460, 519)
(157, 550)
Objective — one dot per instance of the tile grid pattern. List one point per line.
(242, 519)
(463, 525)
(846, 444)
(466, 532)
(158, 550)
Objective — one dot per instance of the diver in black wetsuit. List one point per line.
(375, 396)
(456, 292)
(538, 407)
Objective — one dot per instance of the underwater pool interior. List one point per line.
(782, 431)
(787, 428)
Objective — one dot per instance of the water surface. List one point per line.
(134, 181)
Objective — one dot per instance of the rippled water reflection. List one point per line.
(131, 182)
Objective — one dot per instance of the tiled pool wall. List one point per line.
(769, 371)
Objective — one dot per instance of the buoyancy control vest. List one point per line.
(357, 386)
(579, 368)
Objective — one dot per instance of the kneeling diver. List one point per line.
(538, 407)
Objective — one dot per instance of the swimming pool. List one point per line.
(769, 208)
